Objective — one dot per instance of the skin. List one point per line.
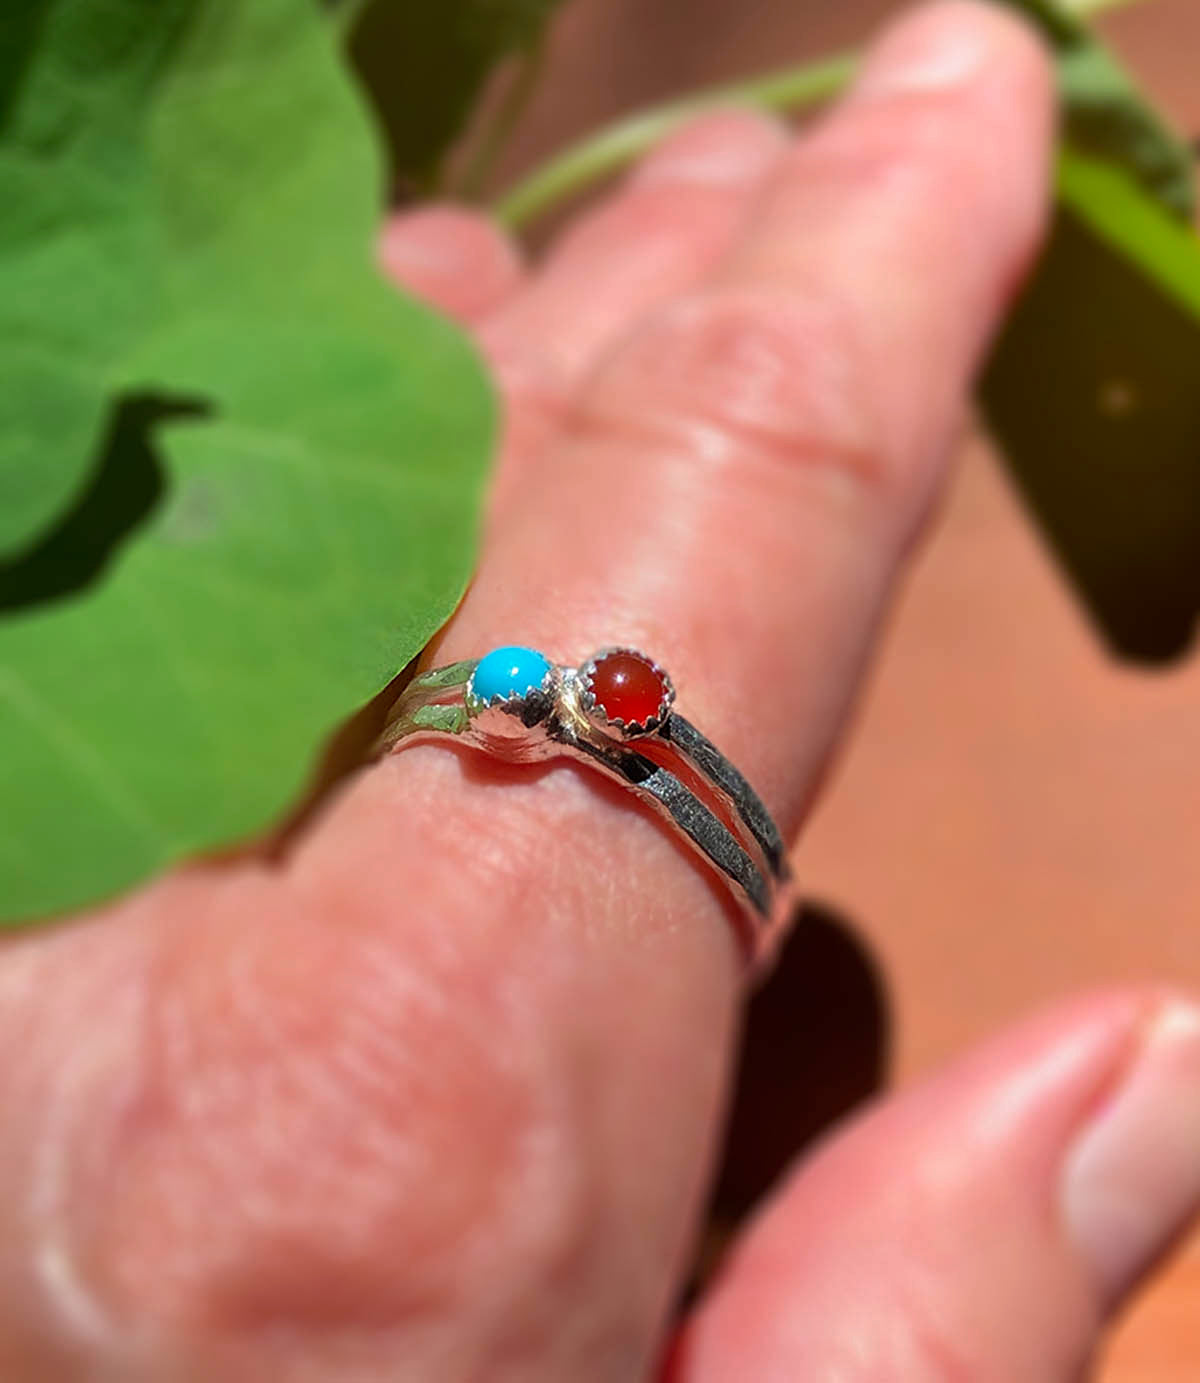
(436, 1098)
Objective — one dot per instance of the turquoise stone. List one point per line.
(507, 673)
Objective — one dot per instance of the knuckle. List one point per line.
(754, 378)
(645, 214)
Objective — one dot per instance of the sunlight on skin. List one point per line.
(437, 1097)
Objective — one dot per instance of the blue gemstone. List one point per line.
(508, 672)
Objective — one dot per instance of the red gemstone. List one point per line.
(628, 688)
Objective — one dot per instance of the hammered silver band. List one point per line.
(560, 715)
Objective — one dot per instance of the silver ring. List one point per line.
(515, 704)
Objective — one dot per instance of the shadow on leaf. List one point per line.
(127, 483)
(22, 30)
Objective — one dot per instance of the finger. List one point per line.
(740, 481)
(743, 475)
(981, 1226)
(666, 227)
(457, 260)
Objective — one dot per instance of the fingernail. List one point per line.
(417, 245)
(1131, 1181)
(933, 51)
(729, 148)
(443, 240)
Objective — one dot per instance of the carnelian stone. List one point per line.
(627, 688)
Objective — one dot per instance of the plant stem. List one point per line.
(614, 148)
(618, 145)
(1088, 9)
(494, 138)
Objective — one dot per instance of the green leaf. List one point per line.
(1091, 391)
(249, 470)
(426, 64)
(1106, 116)
(76, 234)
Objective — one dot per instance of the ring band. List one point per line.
(517, 705)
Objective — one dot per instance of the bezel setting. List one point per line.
(529, 705)
(594, 709)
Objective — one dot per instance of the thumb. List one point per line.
(982, 1226)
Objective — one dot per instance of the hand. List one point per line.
(435, 1099)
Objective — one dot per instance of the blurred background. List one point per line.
(1017, 815)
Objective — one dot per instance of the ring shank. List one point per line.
(745, 849)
